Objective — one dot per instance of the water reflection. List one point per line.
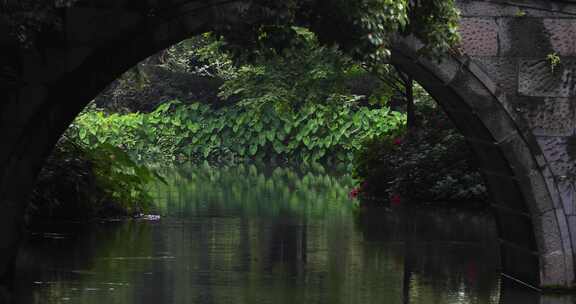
(255, 235)
(250, 191)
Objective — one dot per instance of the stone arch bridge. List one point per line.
(516, 109)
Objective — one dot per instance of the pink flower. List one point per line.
(395, 200)
(354, 193)
(397, 141)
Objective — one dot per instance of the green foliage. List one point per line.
(294, 106)
(201, 55)
(435, 22)
(554, 60)
(78, 181)
(431, 164)
(197, 131)
(520, 13)
(363, 28)
(122, 180)
(308, 73)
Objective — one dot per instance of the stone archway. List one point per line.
(530, 206)
(533, 247)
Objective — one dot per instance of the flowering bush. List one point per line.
(354, 193)
(433, 163)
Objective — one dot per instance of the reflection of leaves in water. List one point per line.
(254, 190)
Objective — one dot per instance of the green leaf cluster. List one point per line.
(123, 181)
(364, 29)
(300, 74)
(176, 131)
(82, 181)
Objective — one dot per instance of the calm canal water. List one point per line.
(246, 235)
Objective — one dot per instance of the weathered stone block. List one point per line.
(448, 99)
(550, 180)
(473, 8)
(503, 71)
(557, 154)
(567, 189)
(554, 271)
(481, 99)
(445, 70)
(514, 42)
(550, 116)
(423, 71)
(547, 233)
(549, 9)
(562, 35)
(479, 36)
(518, 154)
(484, 80)
(572, 224)
(537, 195)
(538, 78)
(499, 122)
(562, 222)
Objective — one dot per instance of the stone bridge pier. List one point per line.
(509, 88)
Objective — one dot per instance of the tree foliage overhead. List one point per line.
(303, 73)
(361, 27)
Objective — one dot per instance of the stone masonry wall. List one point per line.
(515, 43)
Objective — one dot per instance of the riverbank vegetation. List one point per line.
(198, 132)
(430, 164)
(82, 182)
(310, 103)
(281, 93)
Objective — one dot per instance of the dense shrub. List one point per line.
(176, 131)
(82, 182)
(433, 163)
